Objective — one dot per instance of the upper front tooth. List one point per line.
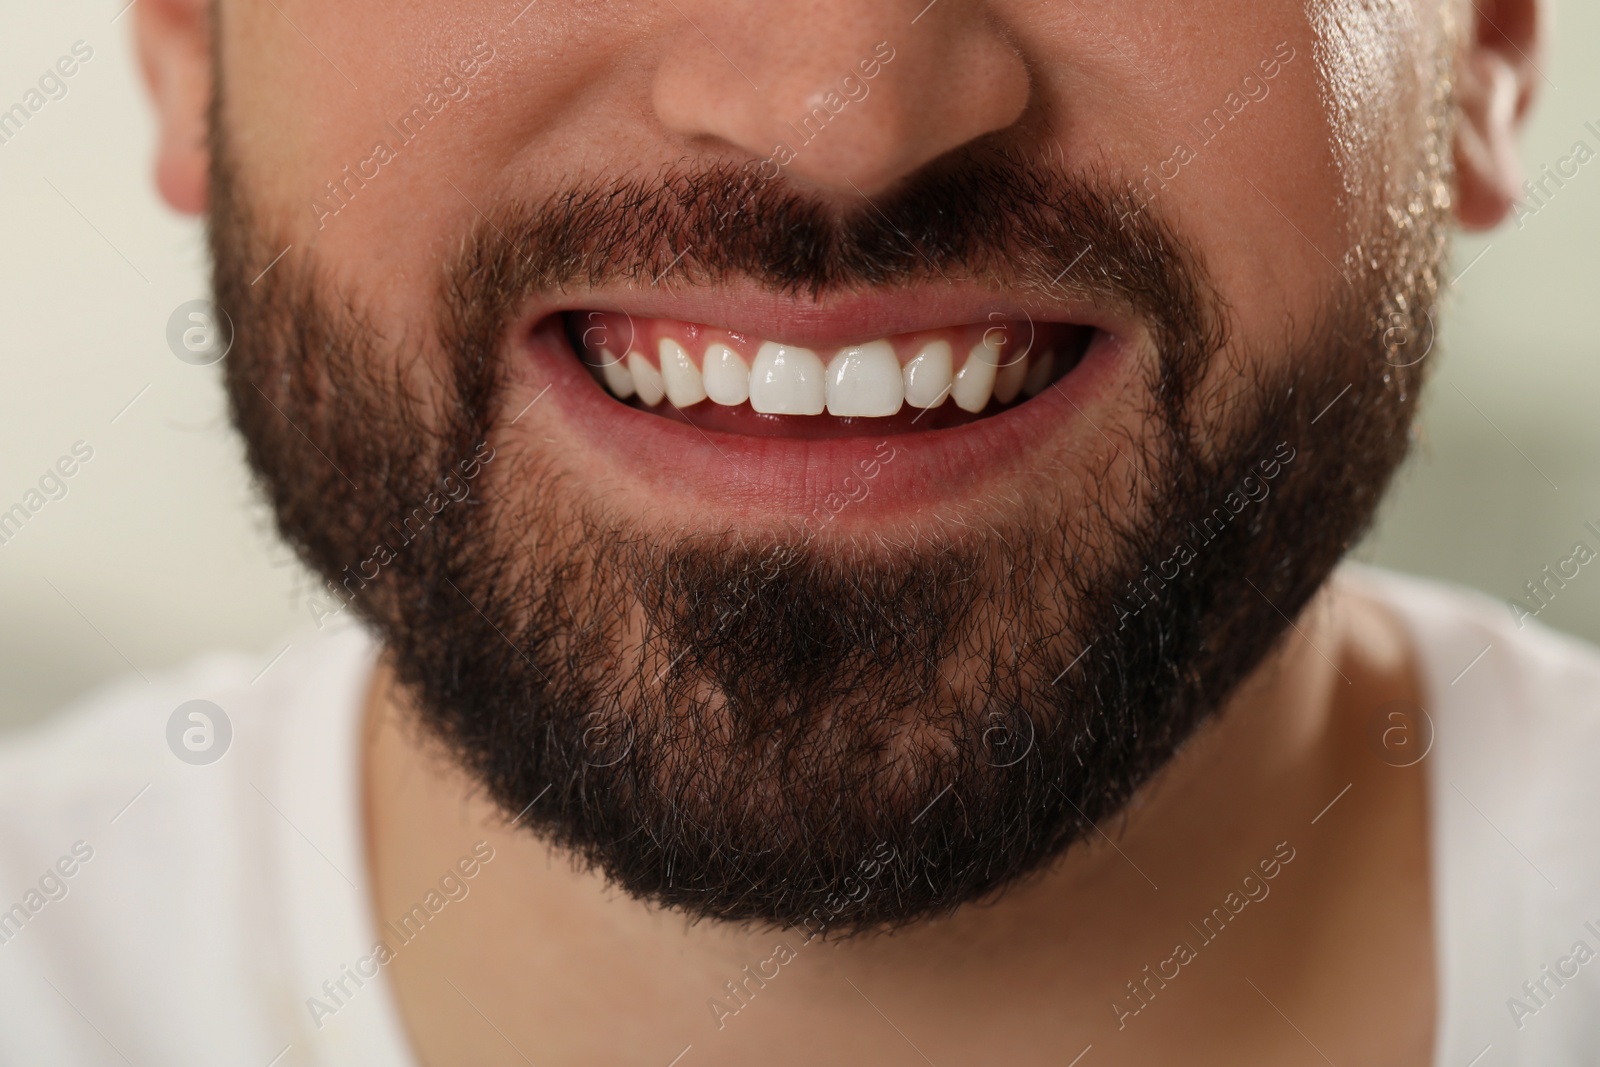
(1008, 382)
(927, 376)
(679, 375)
(865, 380)
(646, 379)
(787, 380)
(618, 380)
(975, 381)
(726, 378)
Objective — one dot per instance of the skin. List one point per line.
(570, 972)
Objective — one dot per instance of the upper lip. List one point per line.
(835, 319)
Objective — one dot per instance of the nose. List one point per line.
(847, 95)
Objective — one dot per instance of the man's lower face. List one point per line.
(822, 566)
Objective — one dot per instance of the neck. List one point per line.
(1230, 870)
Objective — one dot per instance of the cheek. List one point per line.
(1253, 190)
(296, 122)
(1366, 59)
(1262, 195)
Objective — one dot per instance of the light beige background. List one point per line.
(160, 549)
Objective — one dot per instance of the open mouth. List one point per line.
(719, 379)
(747, 410)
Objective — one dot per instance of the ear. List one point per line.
(174, 42)
(1495, 84)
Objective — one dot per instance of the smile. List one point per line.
(746, 384)
(757, 408)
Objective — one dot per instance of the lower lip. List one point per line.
(777, 478)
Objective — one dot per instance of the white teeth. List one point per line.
(865, 380)
(975, 381)
(617, 378)
(679, 375)
(727, 379)
(1008, 382)
(1039, 373)
(646, 379)
(927, 376)
(786, 380)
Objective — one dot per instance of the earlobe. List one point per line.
(174, 43)
(1488, 168)
(181, 176)
(1493, 89)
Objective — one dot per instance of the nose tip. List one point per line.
(848, 98)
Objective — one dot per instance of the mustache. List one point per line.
(983, 214)
(1019, 225)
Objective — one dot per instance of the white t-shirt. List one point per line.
(158, 911)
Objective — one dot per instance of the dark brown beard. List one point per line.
(948, 717)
